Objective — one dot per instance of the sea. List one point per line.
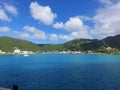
(60, 72)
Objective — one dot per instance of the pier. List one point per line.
(15, 87)
(4, 88)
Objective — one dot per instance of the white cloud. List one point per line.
(4, 29)
(11, 9)
(73, 24)
(3, 16)
(107, 21)
(76, 28)
(58, 25)
(84, 18)
(74, 35)
(30, 33)
(106, 1)
(33, 33)
(53, 37)
(30, 29)
(5, 9)
(43, 14)
(24, 35)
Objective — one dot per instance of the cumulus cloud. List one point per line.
(33, 33)
(71, 36)
(74, 35)
(73, 24)
(28, 32)
(41, 13)
(4, 16)
(58, 25)
(5, 9)
(4, 29)
(53, 37)
(76, 28)
(107, 21)
(11, 9)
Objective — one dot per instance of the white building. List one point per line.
(25, 52)
(17, 51)
(109, 48)
(1, 52)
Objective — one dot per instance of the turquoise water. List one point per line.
(61, 72)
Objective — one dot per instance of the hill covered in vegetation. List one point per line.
(8, 44)
(107, 45)
(83, 44)
(113, 41)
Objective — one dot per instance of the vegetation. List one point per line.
(83, 45)
(51, 47)
(107, 45)
(113, 41)
(8, 44)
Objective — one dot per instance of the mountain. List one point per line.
(106, 45)
(8, 44)
(83, 44)
(113, 41)
(73, 45)
(51, 47)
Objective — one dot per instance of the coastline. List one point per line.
(79, 53)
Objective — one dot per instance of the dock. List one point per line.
(4, 88)
(15, 87)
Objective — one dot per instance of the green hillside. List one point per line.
(8, 44)
(113, 41)
(83, 44)
(51, 47)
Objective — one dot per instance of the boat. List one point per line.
(25, 55)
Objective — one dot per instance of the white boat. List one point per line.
(25, 55)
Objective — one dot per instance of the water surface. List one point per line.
(61, 72)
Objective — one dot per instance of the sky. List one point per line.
(59, 21)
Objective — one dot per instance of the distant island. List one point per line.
(109, 45)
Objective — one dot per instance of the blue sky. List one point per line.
(51, 21)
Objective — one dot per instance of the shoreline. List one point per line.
(59, 53)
